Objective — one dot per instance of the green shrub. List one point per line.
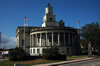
(53, 54)
(17, 54)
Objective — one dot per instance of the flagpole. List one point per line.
(0, 39)
(24, 32)
(25, 19)
(78, 27)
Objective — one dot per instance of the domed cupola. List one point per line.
(61, 23)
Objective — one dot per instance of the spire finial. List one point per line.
(48, 4)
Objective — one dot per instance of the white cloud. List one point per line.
(8, 42)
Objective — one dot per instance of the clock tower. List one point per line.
(49, 20)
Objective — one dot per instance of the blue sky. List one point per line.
(12, 13)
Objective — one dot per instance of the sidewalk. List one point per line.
(63, 62)
(3, 59)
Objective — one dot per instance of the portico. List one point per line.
(42, 39)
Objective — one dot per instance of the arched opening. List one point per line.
(50, 19)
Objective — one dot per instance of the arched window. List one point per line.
(50, 19)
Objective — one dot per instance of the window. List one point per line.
(50, 19)
(33, 51)
(67, 50)
(37, 50)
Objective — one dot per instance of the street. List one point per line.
(95, 62)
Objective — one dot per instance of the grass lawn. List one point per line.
(76, 57)
(38, 61)
(26, 63)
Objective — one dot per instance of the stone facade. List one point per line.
(52, 33)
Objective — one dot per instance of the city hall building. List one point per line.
(50, 33)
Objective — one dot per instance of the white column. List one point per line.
(58, 39)
(35, 50)
(43, 40)
(36, 40)
(30, 41)
(40, 39)
(52, 38)
(33, 40)
(48, 39)
(31, 51)
(64, 39)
